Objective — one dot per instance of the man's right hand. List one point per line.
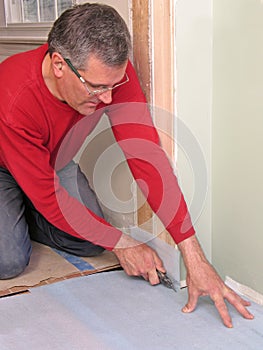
(138, 259)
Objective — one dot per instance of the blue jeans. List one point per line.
(20, 222)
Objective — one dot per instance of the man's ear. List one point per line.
(57, 64)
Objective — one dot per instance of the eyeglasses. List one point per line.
(93, 92)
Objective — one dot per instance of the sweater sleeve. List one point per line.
(138, 138)
(26, 157)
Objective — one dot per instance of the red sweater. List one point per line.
(40, 135)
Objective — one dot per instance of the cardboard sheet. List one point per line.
(48, 266)
(111, 311)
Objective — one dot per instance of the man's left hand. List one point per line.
(202, 280)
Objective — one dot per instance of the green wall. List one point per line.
(219, 57)
(194, 101)
(237, 140)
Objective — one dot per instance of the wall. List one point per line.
(220, 99)
(237, 140)
(194, 101)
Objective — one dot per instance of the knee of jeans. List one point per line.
(10, 268)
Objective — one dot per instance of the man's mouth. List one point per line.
(93, 103)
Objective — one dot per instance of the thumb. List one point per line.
(191, 303)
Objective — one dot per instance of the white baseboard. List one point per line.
(183, 284)
(244, 290)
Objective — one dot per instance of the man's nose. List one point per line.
(106, 97)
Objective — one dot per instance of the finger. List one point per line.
(129, 269)
(158, 263)
(240, 304)
(192, 301)
(223, 311)
(145, 276)
(245, 302)
(153, 277)
(126, 269)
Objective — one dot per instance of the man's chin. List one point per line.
(87, 110)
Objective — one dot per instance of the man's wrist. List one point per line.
(125, 242)
(191, 251)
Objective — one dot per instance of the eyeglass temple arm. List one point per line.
(67, 60)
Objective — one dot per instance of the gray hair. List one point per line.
(90, 29)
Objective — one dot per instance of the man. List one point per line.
(51, 98)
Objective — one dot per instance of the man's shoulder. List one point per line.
(20, 75)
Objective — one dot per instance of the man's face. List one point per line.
(97, 76)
